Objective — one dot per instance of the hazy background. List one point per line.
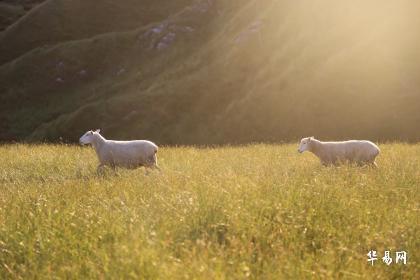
(209, 72)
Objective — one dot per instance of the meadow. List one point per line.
(256, 211)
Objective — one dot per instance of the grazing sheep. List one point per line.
(354, 151)
(128, 154)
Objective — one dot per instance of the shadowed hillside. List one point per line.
(68, 20)
(12, 10)
(211, 72)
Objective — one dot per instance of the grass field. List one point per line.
(258, 211)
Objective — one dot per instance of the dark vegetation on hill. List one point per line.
(202, 72)
(12, 10)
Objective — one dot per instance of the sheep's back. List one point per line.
(136, 151)
(351, 149)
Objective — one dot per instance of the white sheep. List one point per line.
(333, 153)
(128, 154)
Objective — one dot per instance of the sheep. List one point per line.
(127, 154)
(360, 152)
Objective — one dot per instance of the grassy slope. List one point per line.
(12, 10)
(261, 211)
(9, 14)
(69, 20)
(333, 70)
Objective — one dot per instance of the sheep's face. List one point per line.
(87, 138)
(305, 144)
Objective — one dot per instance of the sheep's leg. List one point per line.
(154, 166)
(155, 163)
(146, 170)
(150, 167)
(326, 163)
(152, 163)
(360, 163)
(157, 167)
(100, 169)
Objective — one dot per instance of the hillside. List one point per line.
(12, 10)
(205, 72)
(62, 20)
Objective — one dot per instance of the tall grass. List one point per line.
(258, 211)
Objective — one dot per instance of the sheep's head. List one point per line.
(305, 144)
(88, 137)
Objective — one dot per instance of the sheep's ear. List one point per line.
(98, 130)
